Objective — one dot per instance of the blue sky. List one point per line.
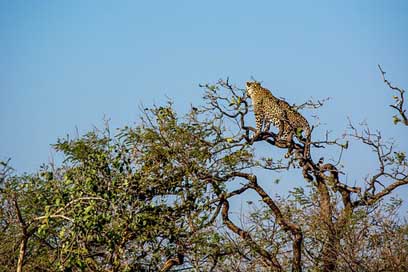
(67, 64)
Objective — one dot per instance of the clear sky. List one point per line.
(67, 64)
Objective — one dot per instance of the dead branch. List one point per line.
(399, 100)
(393, 166)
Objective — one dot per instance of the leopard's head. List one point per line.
(252, 86)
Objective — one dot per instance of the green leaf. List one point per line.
(395, 120)
(346, 145)
(61, 234)
(400, 156)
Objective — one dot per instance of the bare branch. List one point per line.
(393, 166)
(311, 104)
(374, 198)
(399, 100)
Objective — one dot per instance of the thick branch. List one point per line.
(21, 253)
(280, 219)
(373, 199)
(24, 239)
(270, 259)
(285, 224)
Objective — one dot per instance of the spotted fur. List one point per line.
(271, 110)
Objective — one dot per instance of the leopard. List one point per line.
(269, 109)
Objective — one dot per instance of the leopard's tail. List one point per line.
(307, 142)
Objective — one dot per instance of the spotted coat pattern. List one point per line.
(271, 110)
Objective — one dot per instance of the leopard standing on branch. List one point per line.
(271, 110)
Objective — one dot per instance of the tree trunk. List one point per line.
(329, 254)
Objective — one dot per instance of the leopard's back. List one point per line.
(269, 109)
(294, 119)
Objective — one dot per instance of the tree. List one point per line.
(157, 197)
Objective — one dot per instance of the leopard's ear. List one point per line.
(248, 84)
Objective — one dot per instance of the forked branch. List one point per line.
(399, 99)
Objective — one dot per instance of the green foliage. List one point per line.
(126, 201)
(396, 119)
(400, 157)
